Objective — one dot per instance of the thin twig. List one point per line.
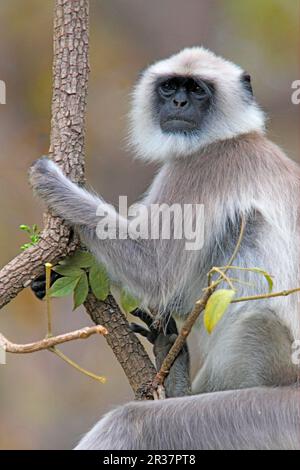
(238, 244)
(241, 268)
(181, 338)
(50, 342)
(232, 258)
(283, 293)
(69, 361)
(192, 318)
(48, 267)
(47, 343)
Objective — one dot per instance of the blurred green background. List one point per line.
(45, 404)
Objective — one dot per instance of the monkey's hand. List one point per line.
(177, 383)
(38, 285)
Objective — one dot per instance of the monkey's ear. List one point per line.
(246, 81)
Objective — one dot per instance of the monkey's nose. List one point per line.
(179, 103)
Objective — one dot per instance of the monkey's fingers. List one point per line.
(144, 316)
(151, 337)
(38, 285)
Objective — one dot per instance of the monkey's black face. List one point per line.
(182, 103)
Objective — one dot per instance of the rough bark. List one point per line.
(70, 85)
(126, 346)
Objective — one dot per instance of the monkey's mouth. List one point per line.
(176, 124)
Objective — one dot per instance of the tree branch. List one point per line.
(181, 339)
(47, 343)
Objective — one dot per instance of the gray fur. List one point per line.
(247, 175)
(234, 171)
(260, 419)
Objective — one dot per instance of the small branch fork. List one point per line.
(50, 343)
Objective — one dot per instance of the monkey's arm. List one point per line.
(131, 262)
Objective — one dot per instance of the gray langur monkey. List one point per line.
(195, 114)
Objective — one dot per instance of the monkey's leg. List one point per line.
(252, 350)
(256, 418)
(177, 383)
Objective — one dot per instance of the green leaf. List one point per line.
(266, 275)
(25, 246)
(128, 302)
(216, 307)
(33, 235)
(25, 228)
(63, 286)
(81, 290)
(68, 270)
(35, 229)
(81, 259)
(34, 239)
(99, 281)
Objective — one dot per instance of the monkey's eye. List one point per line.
(168, 87)
(197, 88)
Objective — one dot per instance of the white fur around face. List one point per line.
(232, 115)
